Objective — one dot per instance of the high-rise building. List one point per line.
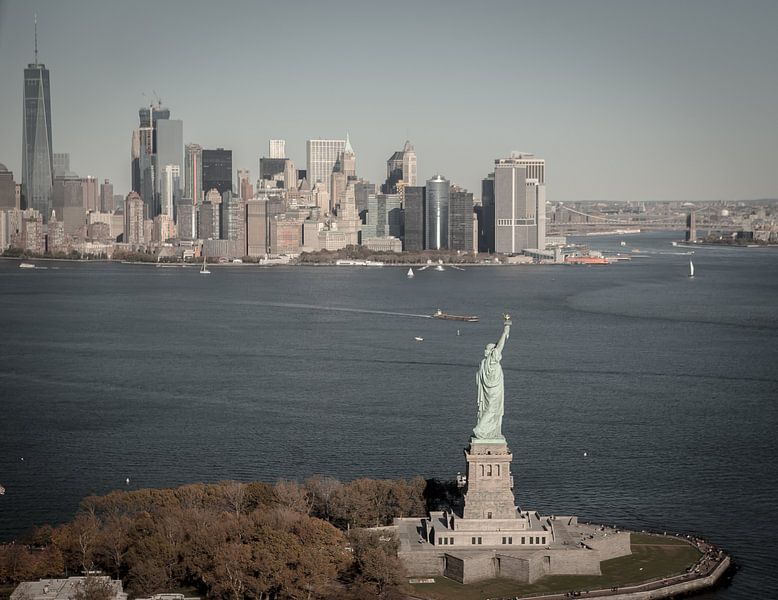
(256, 227)
(32, 238)
(277, 149)
(67, 199)
(415, 218)
(363, 189)
(133, 220)
(37, 159)
(535, 167)
(7, 189)
(193, 173)
(186, 219)
(89, 194)
(209, 223)
(169, 189)
(245, 189)
(486, 215)
(348, 160)
(460, 220)
(55, 239)
(169, 148)
(401, 166)
(438, 198)
(217, 170)
(409, 164)
(61, 163)
(321, 158)
(106, 197)
(233, 220)
(519, 205)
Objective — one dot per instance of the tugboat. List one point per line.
(439, 314)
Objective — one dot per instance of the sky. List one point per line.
(626, 100)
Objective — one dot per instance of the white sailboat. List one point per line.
(204, 270)
(691, 268)
(411, 273)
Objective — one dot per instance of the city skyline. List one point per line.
(650, 83)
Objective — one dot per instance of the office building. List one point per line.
(415, 218)
(7, 189)
(436, 234)
(277, 149)
(61, 162)
(37, 159)
(134, 225)
(32, 238)
(193, 173)
(486, 215)
(256, 227)
(89, 194)
(169, 189)
(106, 197)
(209, 223)
(67, 199)
(534, 166)
(245, 189)
(286, 234)
(321, 158)
(401, 167)
(169, 149)
(55, 238)
(519, 206)
(363, 189)
(217, 170)
(186, 219)
(233, 220)
(460, 220)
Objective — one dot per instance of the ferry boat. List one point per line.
(439, 314)
(26, 266)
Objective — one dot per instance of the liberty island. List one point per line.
(490, 537)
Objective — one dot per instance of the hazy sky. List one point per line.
(625, 100)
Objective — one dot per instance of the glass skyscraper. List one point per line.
(37, 159)
(438, 192)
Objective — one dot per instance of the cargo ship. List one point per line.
(439, 314)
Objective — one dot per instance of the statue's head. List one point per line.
(489, 348)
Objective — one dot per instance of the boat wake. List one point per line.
(315, 307)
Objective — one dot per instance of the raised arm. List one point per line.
(505, 333)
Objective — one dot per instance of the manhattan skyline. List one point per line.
(660, 101)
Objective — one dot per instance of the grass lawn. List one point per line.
(652, 557)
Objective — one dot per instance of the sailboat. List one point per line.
(204, 270)
(691, 268)
(410, 273)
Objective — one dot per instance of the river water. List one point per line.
(164, 376)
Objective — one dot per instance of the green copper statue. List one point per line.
(491, 391)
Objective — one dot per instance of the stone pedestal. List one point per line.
(489, 494)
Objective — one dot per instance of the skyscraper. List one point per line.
(277, 149)
(106, 197)
(217, 170)
(460, 220)
(133, 220)
(519, 204)
(415, 218)
(245, 189)
(409, 164)
(89, 194)
(438, 192)
(61, 163)
(321, 158)
(7, 189)
(193, 183)
(486, 215)
(169, 147)
(37, 159)
(401, 166)
(169, 192)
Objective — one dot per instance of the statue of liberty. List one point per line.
(491, 391)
